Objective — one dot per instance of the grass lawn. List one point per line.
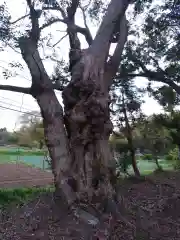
(21, 195)
(147, 167)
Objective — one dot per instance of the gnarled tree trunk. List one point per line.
(88, 125)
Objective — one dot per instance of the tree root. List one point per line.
(114, 209)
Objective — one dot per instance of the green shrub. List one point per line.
(172, 155)
(123, 162)
(147, 156)
(169, 157)
(20, 195)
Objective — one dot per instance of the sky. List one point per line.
(13, 104)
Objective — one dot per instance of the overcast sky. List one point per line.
(25, 103)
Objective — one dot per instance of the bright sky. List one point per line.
(25, 103)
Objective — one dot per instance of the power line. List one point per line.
(15, 110)
(12, 100)
(15, 105)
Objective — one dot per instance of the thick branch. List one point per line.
(15, 89)
(10, 88)
(75, 45)
(154, 76)
(173, 85)
(114, 62)
(34, 15)
(71, 10)
(115, 11)
(86, 33)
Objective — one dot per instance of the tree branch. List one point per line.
(115, 11)
(114, 62)
(52, 21)
(154, 76)
(86, 30)
(86, 34)
(69, 20)
(19, 19)
(71, 10)
(56, 8)
(60, 40)
(15, 89)
(75, 45)
(10, 88)
(34, 16)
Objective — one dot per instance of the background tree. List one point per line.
(154, 138)
(4, 136)
(32, 129)
(156, 56)
(127, 110)
(171, 122)
(120, 149)
(166, 97)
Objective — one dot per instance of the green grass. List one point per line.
(5, 159)
(20, 196)
(147, 167)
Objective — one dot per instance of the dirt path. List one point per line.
(20, 175)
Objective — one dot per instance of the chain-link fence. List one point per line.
(35, 158)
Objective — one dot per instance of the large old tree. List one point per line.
(77, 137)
(156, 55)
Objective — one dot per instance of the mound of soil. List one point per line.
(150, 210)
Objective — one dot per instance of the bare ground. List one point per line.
(21, 175)
(150, 210)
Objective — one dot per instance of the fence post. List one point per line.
(43, 163)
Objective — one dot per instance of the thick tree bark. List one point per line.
(88, 125)
(86, 101)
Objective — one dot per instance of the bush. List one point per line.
(169, 157)
(123, 162)
(147, 157)
(20, 195)
(172, 155)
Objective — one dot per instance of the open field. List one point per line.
(37, 158)
(147, 167)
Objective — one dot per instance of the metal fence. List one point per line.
(26, 156)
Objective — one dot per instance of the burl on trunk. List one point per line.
(88, 125)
